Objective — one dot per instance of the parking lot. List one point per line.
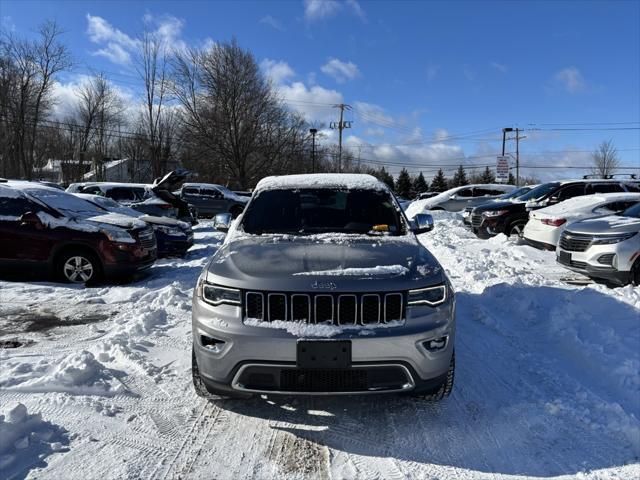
(547, 382)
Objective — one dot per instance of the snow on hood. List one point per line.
(166, 221)
(362, 272)
(348, 181)
(606, 225)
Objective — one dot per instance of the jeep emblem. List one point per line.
(317, 285)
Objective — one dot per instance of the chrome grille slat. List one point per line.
(573, 242)
(328, 308)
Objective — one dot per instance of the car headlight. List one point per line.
(118, 235)
(216, 294)
(494, 213)
(428, 296)
(609, 239)
(168, 230)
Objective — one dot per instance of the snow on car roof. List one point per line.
(202, 185)
(587, 202)
(109, 185)
(349, 181)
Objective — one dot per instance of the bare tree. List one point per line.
(232, 117)
(605, 159)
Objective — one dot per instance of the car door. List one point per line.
(567, 192)
(216, 202)
(192, 196)
(22, 241)
(483, 195)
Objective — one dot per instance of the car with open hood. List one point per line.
(322, 287)
(46, 229)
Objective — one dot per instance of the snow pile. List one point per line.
(26, 439)
(380, 270)
(303, 329)
(78, 374)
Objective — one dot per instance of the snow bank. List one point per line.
(303, 329)
(25, 439)
(78, 374)
(380, 270)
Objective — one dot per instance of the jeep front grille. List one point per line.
(476, 219)
(334, 309)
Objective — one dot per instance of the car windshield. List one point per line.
(514, 193)
(539, 191)
(113, 206)
(633, 211)
(63, 202)
(322, 210)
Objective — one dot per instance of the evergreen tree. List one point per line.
(420, 185)
(403, 184)
(384, 176)
(488, 176)
(512, 179)
(439, 182)
(460, 178)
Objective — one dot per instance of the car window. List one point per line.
(16, 206)
(465, 193)
(190, 191)
(604, 188)
(633, 211)
(633, 187)
(120, 194)
(92, 190)
(481, 192)
(540, 191)
(570, 191)
(210, 192)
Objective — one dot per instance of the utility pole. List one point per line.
(341, 125)
(504, 137)
(517, 138)
(313, 132)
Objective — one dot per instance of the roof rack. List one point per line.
(630, 175)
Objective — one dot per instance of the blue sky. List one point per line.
(418, 74)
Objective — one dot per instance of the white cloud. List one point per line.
(276, 71)
(370, 112)
(114, 53)
(571, 80)
(321, 9)
(440, 135)
(377, 132)
(313, 102)
(101, 31)
(272, 22)
(340, 71)
(500, 67)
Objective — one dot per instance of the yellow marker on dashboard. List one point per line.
(381, 228)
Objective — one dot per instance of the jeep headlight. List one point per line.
(118, 235)
(610, 239)
(216, 294)
(432, 296)
(168, 230)
(494, 213)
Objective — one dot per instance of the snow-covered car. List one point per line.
(321, 287)
(459, 198)
(606, 248)
(46, 229)
(510, 196)
(211, 199)
(545, 225)
(172, 236)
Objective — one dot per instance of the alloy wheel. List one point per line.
(78, 269)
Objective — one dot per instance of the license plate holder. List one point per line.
(323, 354)
(564, 257)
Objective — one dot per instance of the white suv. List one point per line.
(606, 248)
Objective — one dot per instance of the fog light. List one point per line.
(436, 344)
(212, 344)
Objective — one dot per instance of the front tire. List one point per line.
(635, 274)
(516, 229)
(483, 233)
(202, 390)
(78, 267)
(445, 388)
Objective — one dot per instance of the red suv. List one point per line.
(77, 241)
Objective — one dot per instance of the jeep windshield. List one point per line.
(304, 211)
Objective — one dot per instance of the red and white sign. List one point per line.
(502, 169)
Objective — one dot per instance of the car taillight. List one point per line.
(554, 222)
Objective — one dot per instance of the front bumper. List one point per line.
(173, 244)
(587, 262)
(273, 351)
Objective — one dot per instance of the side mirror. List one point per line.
(551, 201)
(32, 220)
(422, 223)
(222, 222)
(454, 197)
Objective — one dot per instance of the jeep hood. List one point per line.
(309, 263)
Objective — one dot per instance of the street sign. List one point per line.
(502, 169)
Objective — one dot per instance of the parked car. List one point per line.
(459, 198)
(425, 195)
(606, 248)
(149, 199)
(210, 199)
(322, 288)
(545, 225)
(44, 227)
(173, 237)
(511, 196)
(511, 217)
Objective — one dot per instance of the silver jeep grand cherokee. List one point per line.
(321, 287)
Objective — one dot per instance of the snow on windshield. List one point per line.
(63, 201)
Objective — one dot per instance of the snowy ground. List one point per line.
(547, 384)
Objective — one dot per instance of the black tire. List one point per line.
(635, 274)
(204, 392)
(78, 266)
(445, 388)
(483, 233)
(516, 229)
